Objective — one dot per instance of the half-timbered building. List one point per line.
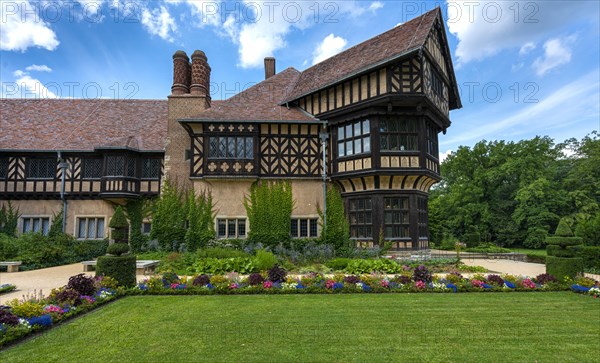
(382, 104)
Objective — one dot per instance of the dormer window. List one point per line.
(354, 138)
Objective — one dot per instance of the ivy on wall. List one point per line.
(269, 208)
(337, 230)
(136, 211)
(200, 216)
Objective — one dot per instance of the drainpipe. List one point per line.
(324, 136)
(63, 165)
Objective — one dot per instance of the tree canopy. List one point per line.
(515, 193)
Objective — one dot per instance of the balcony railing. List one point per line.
(119, 186)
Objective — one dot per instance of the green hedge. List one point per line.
(121, 268)
(561, 266)
(589, 254)
(555, 250)
(564, 241)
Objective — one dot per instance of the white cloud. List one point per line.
(159, 22)
(485, 28)
(526, 48)
(330, 46)
(22, 28)
(376, 5)
(579, 97)
(37, 68)
(444, 155)
(29, 87)
(556, 53)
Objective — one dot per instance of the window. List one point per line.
(3, 168)
(35, 225)
(231, 228)
(41, 168)
(303, 227)
(436, 84)
(146, 228)
(230, 147)
(432, 141)
(399, 134)
(92, 168)
(361, 218)
(151, 169)
(115, 166)
(422, 212)
(396, 217)
(90, 227)
(354, 138)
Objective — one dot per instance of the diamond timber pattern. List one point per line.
(290, 150)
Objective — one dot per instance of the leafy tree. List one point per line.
(136, 211)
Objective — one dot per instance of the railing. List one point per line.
(119, 185)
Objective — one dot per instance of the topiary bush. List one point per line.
(561, 261)
(118, 249)
(83, 284)
(120, 268)
(119, 226)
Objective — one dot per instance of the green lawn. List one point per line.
(529, 251)
(470, 327)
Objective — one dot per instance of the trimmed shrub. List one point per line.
(83, 284)
(555, 250)
(590, 256)
(564, 241)
(120, 227)
(563, 229)
(563, 266)
(472, 239)
(120, 268)
(118, 249)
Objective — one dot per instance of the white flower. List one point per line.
(24, 323)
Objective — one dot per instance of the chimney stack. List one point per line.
(269, 67)
(200, 74)
(181, 73)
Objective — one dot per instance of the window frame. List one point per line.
(360, 218)
(48, 160)
(150, 167)
(247, 148)
(4, 167)
(228, 221)
(404, 212)
(87, 218)
(84, 168)
(41, 218)
(431, 137)
(312, 226)
(409, 133)
(343, 139)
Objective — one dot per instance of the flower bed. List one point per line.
(36, 313)
(276, 281)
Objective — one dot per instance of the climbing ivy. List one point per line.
(136, 211)
(337, 230)
(200, 216)
(269, 208)
(168, 218)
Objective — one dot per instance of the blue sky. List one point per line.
(525, 68)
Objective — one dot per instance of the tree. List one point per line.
(337, 230)
(168, 218)
(200, 216)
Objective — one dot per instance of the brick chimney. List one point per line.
(200, 75)
(269, 67)
(190, 95)
(181, 73)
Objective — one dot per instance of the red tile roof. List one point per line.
(364, 56)
(261, 102)
(75, 124)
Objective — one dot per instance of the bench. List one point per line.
(11, 266)
(143, 267)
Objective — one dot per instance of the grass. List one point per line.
(529, 251)
(475, 327)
